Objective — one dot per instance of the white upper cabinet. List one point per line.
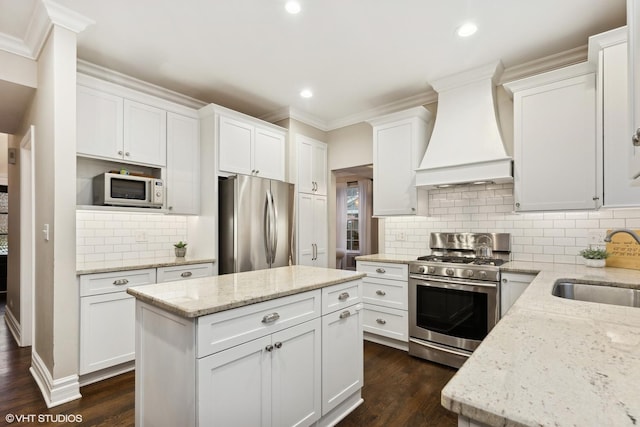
(399, 143)
(247, 148)
(183, 165)
(555, 147)
(312, 166)
(115, 128)
(633, 21)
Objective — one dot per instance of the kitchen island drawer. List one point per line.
(385, 292)
(387, 322)
(339, 296)
(384, 270)
(183, 272)
(219, 331)
(117, 281)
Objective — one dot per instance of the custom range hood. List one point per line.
(466, 146)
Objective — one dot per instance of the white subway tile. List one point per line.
(554, 232)
(93, 257)
(542, 258)
(554, 215)
(564, 223)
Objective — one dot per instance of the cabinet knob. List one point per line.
(278, 345)
(269, 347)
(381, 321)
(636, 138)
(127, 154)
(504, 280)
(257, 171)
(381, 293)
(345, 314)
(517, 204)
(170, 208)
(186, 274)
(270, 318)
(119, 152)
(343, 296)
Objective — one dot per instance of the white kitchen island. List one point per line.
(277, 347)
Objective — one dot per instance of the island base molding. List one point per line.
(466, 422)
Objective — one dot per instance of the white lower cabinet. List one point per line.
(273, 380)
(385, 296)
(291, 361)
(512, 286)
(183, 272)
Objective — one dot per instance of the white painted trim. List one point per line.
(66, 18)
(213, 109)
(13, 325)
(15, 45)
(491, 71)
(547, 63)
(27, 235)
(604, 40)
(416, 112)
(389, 342)
(549, 77)
(103, 374)
(104, 74)
(55, 392)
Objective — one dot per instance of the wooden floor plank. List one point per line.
(399, 391)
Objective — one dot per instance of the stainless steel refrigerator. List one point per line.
(255, 225)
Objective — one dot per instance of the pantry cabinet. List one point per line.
(399, 143)
(312, 230)
(633, 22)
(183, 165)
(312, 166)
(555, 135)
(250, 149)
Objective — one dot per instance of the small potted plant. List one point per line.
(181, 249)
(594, 257)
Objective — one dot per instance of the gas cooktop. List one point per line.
(469, 260)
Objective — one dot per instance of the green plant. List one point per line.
(596, 253)
(180, 244)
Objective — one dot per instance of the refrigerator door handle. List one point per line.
(274, 232)
(267, 228)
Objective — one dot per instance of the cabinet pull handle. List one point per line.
(278, 345)
(636, 138)
(381, 321)
(381, 293)
(269, 347)
(381, 270)
(187, 274)
(343, 296)
(270, 318)
(345, 314)
(120, 282)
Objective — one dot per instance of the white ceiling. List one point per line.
(356, 55)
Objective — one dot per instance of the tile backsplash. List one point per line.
(109, 236)
(536, 236)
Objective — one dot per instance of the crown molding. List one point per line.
(549, 77)
(299, 115)
(491, 71)
(547, 63)
(604, 40)
(102, 73)
(15, 45)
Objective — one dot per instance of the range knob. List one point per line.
(469, 273)
(483, 275)
(431, 270)
(449, 271)
(422, 269)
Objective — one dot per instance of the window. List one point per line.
(353, 211)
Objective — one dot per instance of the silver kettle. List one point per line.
(485, 250)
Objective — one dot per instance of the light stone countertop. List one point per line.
(136, 264)
(555, 362)
(206, 295)
(392, 258)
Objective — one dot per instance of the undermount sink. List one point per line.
(599, 293)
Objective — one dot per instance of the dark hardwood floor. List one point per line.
(399, 391)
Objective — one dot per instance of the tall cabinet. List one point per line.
(312, 216)
(633, 21)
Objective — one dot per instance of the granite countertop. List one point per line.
(206, 295)
(136, 264)
(555, 362)
(392, 258)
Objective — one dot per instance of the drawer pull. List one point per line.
(120, 282)
(270, 318)
(187, 274)
(381, 270)
(381, 293)
(381, 321)
(343, 296)
(345, 314)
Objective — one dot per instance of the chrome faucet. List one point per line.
(623, 230)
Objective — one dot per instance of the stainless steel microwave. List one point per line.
(115, 189)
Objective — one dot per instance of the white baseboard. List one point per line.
(103, 374)
(389, 342)
(340, 412)
(13, 325)
(55, 392)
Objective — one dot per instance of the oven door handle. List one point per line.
(439, 348)
(446, 284)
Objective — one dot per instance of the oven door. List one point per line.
(452, 313)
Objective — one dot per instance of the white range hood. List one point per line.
(466, 146)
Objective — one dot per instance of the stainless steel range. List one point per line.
(454, 295)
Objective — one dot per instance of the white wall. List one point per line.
(538, 237)
(113, 236)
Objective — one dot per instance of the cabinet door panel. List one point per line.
(234, 145)
(145, 134)
(305, 169)
(296, 364)
(342, 356)
(268, 154)
(320, 229)
(183, 165)
(234, 386)
(99, 124)
(633, 21)
(306, 232)
(107, 331)
(319, 167)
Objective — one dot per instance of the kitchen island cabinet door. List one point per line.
(234, 386)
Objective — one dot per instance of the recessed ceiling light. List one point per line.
(306, 93)
(292, 7)
(467, 29)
